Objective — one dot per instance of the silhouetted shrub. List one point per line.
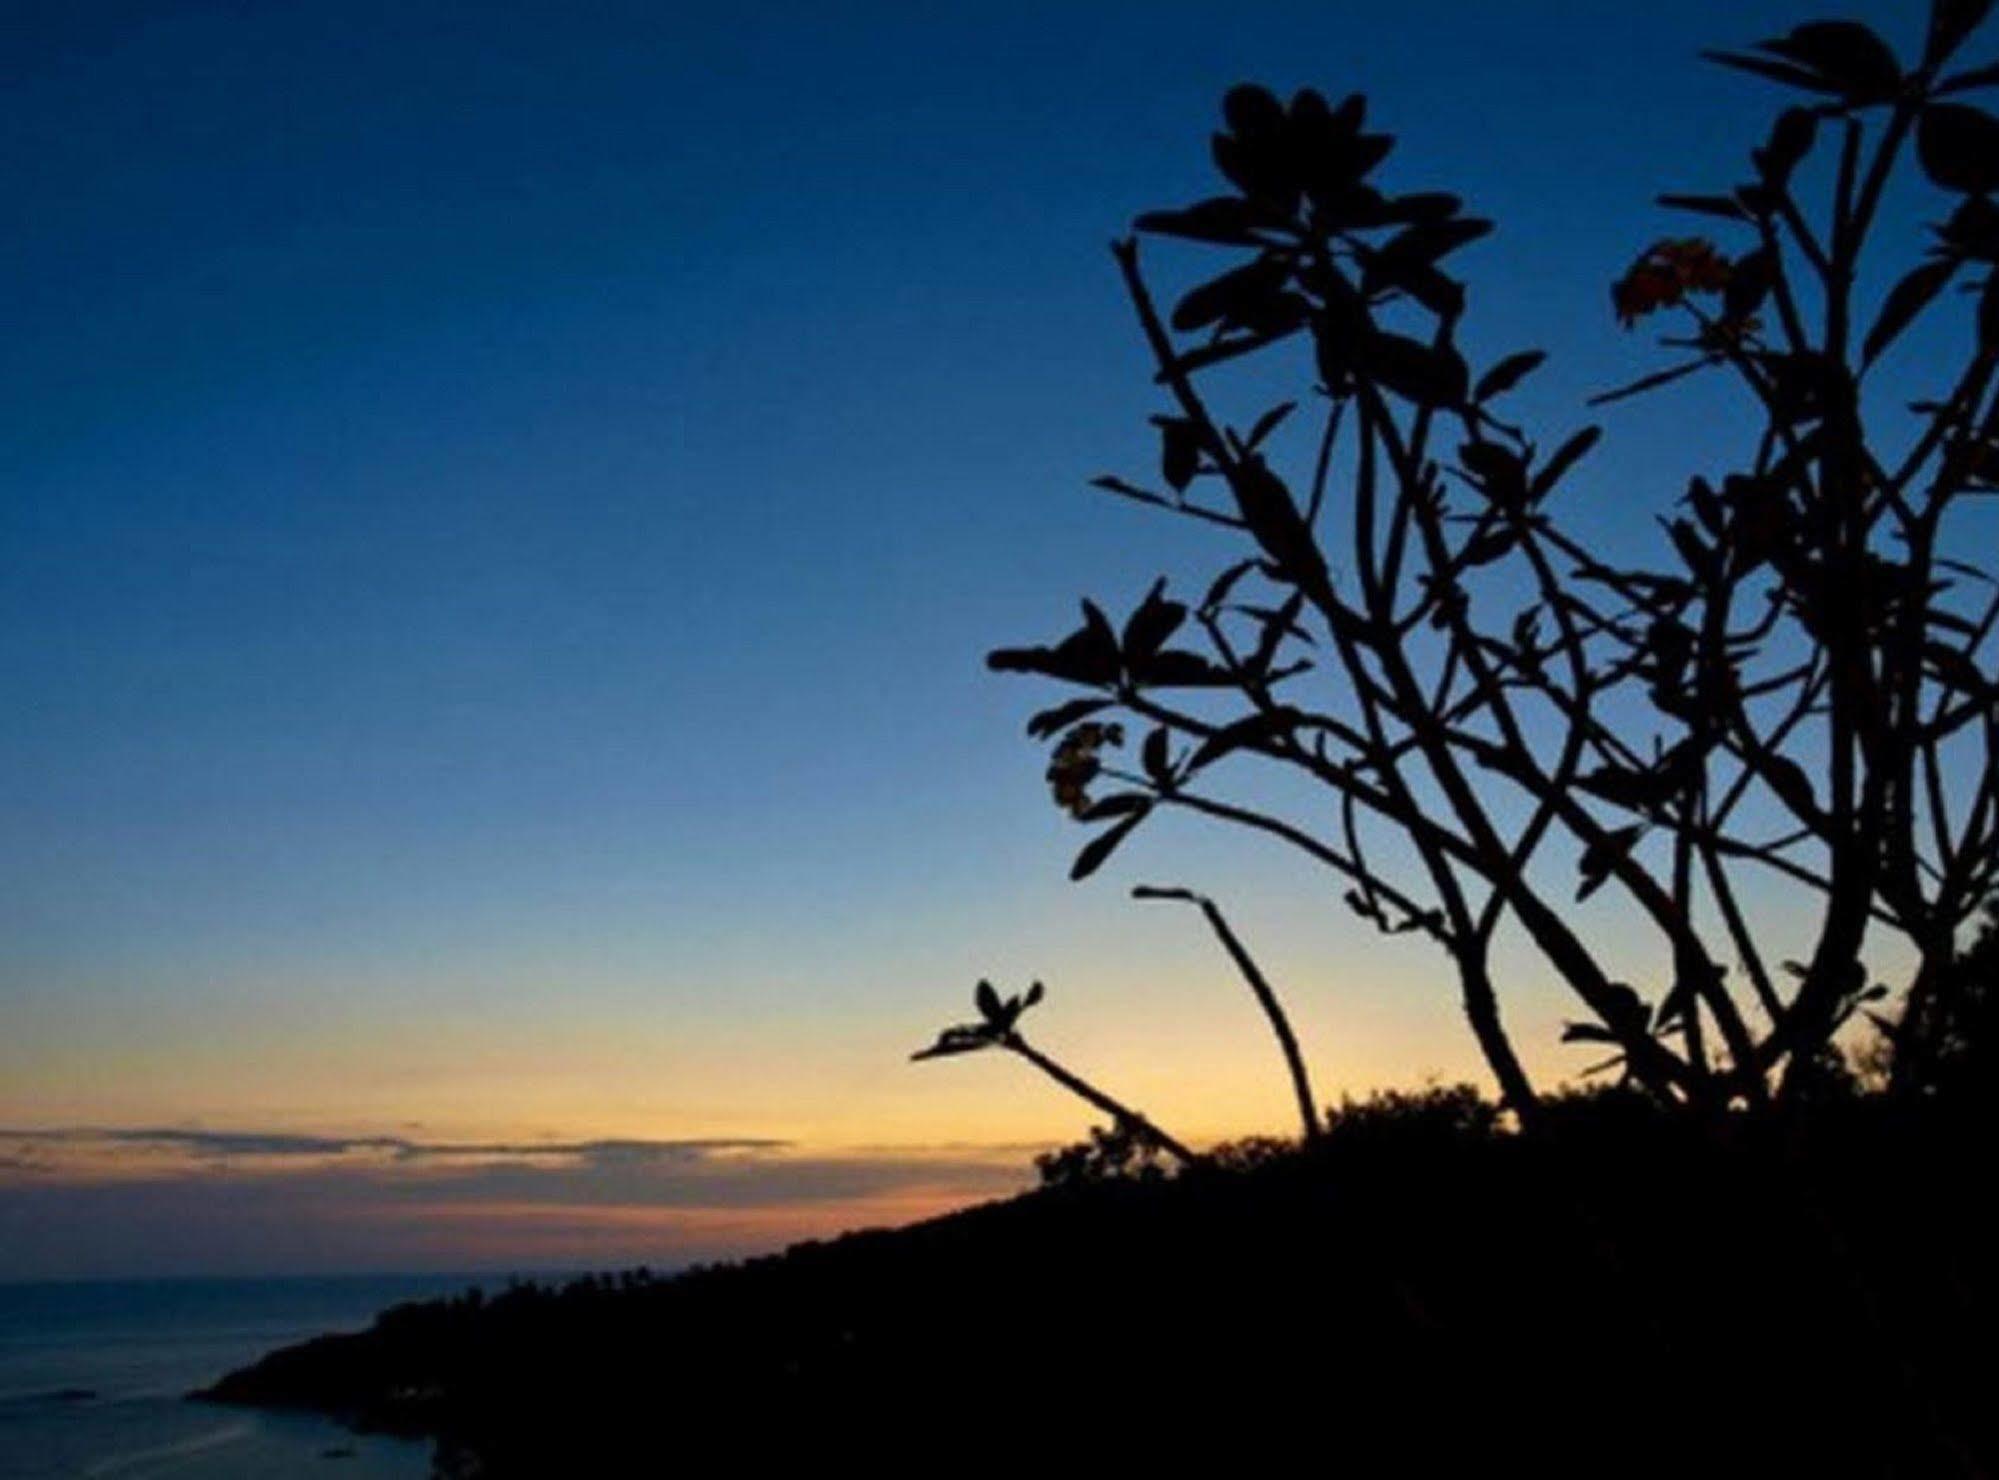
(1960, 1070)
(1112, 1153)
(1251, 1153)
(1435, 1115)
(1422, 1293)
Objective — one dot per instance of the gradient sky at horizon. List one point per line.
(503, 510)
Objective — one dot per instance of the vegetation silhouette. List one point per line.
(1766, 1246)
(1420, 1290)
(1795, 711)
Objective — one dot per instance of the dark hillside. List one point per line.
(1419, 1294)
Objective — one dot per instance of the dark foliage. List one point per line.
(1961, 1070)
(1414, 1293)
(1112, 1153)
(1792, 713)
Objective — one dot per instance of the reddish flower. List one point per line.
(1075, 764)
(1664, 274)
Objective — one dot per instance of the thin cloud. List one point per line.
(48, 1148)
(94, 1200)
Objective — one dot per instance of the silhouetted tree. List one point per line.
(1801, 697)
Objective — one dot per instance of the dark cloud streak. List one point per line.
(91, 1202)
(223, 1145)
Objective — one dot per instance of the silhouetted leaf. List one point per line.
(1788, 779)
(1749, 283)
(1500, 473)
(1253, 730)
(1758, 199)
(1419, 246)
(1075, 659)
(1225, 220)
(1276, 626)
(1955, 669)
(1179, 451)
(1318, 135)
(1259, 168)
(1097, 632)
(1034, 994)
(1526, 634)
(1156, 756)
(1774, 71)
(987, 1000)
(1674, 1005)
(1847, 54)
(1366, 151)
(1973, 229)
(1485, 548)
(1951, 22)
(1234, 296)
(1218, 592)
(1155, 620)
(1424, 283)
(1959, 147)
(1266, 424)
(1587, 1033)
(1905, 300)
(1724, 206)
(1118, 804)
(1088, 655)
(1094, 852)
(1565, 457)
(1603, 855)
(1640, 791)
(1204, 355)
(1177, 668)
(1050, 721)
(1698, 556)
(1415, 371)
(1253, 112)
(1266, 507)
(1790, 141)
(1802, 385)
(1508, 373)
(1706, 505)
(966, 1038)
(1975, 77)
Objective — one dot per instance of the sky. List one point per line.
(502, 508)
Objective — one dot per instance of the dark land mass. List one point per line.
(1419, 1293)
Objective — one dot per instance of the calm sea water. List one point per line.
(93, 1378)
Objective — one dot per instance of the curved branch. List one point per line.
(1273, 1010)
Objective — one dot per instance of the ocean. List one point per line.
(94, 1377)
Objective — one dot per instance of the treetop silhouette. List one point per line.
(1796, 702)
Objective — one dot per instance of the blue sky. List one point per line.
(504, 506)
